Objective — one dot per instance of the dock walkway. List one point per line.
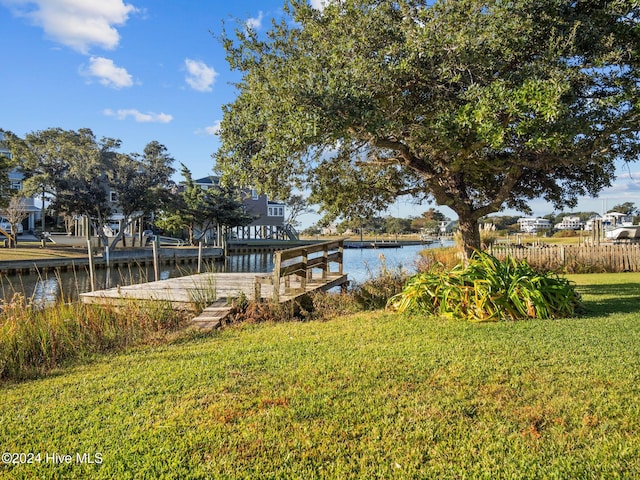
(214, 292)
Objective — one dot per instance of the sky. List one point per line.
(144, 70)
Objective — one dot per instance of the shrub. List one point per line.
(35, 339)
(374, 293)
(487, 289)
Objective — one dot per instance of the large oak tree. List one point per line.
(478, 105)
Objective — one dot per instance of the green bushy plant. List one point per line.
(488, 289)
(374, 292)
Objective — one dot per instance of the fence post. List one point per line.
(325, 263)
(304, 277)
(276, 276)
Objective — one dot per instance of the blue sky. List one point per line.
(144, 70)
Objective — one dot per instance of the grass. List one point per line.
(375, 395)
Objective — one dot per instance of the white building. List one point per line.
(570, 223)
(611, 220)
(615, 219)
(533, 224)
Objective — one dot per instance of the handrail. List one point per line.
(297, 262)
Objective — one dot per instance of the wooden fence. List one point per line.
(575, 258)
(300, 262)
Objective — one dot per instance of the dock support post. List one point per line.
(91, 271)
(156, 272)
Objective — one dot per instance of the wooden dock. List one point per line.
(301, 272)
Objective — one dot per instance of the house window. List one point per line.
(275, 211)
(113, 197)
(16, 185)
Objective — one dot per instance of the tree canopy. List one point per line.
(479, 105)
(78, 172)
(197, 210)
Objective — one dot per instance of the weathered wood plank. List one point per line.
(212, 289)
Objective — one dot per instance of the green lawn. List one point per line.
(374, 395)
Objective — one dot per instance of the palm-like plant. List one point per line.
(488, 289)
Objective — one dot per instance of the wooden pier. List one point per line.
(298, 271)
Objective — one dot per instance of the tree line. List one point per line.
(77, 174)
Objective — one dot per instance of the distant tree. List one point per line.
(41, 156)
(297, 205)
(628, 208)
(197, 210)
(6, 164)
(77, 173)
(141, 183)
(429, 221)
(394, 225)
(478, 104)
(15, 212)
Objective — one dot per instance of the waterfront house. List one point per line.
(16, 177)
(533, 224)
(570, 223)
(269, 223)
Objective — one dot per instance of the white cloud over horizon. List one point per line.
(138, 116)
(200, 76)
(78, 24)
(108, 73)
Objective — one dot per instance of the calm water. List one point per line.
(360, 264)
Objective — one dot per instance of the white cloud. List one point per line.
(319, 4)
(200, 76)
(211, 130)
(78, 24)
(140, 117)
(255, 22)
(109, 74)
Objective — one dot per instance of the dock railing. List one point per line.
(300, 262)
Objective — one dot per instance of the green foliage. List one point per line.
(566, 233)
(77, 173)
(487, 289)
(193, 207)
(477, 104)
(6, 164)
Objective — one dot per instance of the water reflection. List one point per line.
(360, 264)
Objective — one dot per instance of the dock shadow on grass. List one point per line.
(607, 299)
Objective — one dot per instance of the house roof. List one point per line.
(210, 180)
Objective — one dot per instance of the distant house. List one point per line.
(447, 226)
(16, 178)
(570, 223)
(616, 219)
(270, 215)
(610, 221)
(533, 224)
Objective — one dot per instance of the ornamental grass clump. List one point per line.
(488, 289)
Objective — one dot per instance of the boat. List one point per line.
(629, 232)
